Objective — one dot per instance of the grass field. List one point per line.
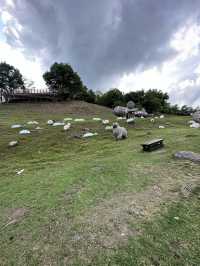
(96, 201)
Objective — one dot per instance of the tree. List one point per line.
(111, 98)
(63, 81)
(136, 96)
(155, 101)
(10, 80)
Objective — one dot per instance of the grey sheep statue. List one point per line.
(119, 132)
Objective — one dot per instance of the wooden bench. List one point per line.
(153, 145)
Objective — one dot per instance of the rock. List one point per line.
(89, 134)
(120, 111)
(20, 172)
(195, 125)
(105, 122)
(188, 155)
(38, 128)
(161, 127)
(162, 116)
(121, 118)
(13, 143)
(50, 122)
(196, 117)
(32, 123)
(176, 218)
(58, 124)
(67, 127)
(130, 105)
(24, 132)
(68, 119)
(16, 126)
(96, 119)
(108, 128)
(79, 120)
(130, 120)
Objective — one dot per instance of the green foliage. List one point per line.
(136, 96)
(63, 81)
(10, 79)
(66, 180)
(155, 101)
(111, 98)
(152, 100)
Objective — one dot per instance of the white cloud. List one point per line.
(30, 69)
(172, 76)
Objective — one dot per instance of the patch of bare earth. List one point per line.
(15, 215)
(113, 221)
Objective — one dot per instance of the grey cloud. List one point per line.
(102, 39)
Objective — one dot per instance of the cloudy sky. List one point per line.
(129, 44)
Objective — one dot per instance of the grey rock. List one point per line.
(120, 111)
(13, 143)
(188, 155)
(130, 105)
(196, 117)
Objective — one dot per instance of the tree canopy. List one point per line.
(111, 98)
(10, 80)
(63, 81)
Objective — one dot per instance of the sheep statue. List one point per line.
(119, 132)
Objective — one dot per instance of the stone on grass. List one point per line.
(67, 126)
(196, 117)
(16, 126)
(162, 116)
(105, 122)
(195, 125)
(130, 120)
(121, 118)
(20, 172)
(188, 155)
(38, 128)
(79, 120)
(161, 127)
(191, 122)
(32, 123)
(58, 124)
(13, 143)
(89, 134)
(50, 122)
(120, 111)
(68, 119)
(24, 132)
(96, 119)
(108, 128)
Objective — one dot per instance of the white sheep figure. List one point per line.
(119, 132)
(67, 126)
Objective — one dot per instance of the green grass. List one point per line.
(66, 178)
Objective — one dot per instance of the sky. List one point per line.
(125, 44)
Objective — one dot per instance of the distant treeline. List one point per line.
(66, 84)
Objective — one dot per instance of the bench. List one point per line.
(153, 145)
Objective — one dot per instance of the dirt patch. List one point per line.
(16, 215)
(114, 221)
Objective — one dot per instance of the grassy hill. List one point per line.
(96, 201)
